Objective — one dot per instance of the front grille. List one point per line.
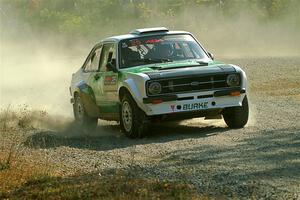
(192, 84)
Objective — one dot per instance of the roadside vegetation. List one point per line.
(28, 176)
(93, 186)
(93, 19)
(245, 27)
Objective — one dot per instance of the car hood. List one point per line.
(179, 69)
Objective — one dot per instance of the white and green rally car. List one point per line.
(152, 75)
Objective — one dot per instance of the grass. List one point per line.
(26, 180)
(6, 162)
(93, 186)
(30, 177)
(16, 173)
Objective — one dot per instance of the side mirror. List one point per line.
(211, 55)
(111, 65)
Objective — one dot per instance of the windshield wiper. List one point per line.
(155, 67)
(196, 65)
(165, 59)
(155, 60)
(202, 63)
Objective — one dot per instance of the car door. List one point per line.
(89, 79)
(92, 69)
(109, 80)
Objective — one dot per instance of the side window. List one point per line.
(87, 67)
(93, 62)
(194, 47)
(108, 49)
(187, 50)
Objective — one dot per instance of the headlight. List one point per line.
(154, 88)
(233, 80)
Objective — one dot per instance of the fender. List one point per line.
(244, 81)
(132, 87)
(87, 95)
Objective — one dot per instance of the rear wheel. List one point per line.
(237, 117)
(132, 118)
(82, 121)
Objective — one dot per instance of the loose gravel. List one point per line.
(261, 160)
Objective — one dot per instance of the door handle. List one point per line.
(96, 76)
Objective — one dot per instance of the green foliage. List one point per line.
(95, 18)
(93, 186)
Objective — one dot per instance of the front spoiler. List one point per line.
(174, 97)
(193, 102)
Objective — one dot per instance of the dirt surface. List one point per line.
(261, 160)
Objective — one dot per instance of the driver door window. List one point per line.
(93, 63)
(107, 49)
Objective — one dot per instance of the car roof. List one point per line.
(137, 33)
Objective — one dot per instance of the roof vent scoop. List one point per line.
(149, 30)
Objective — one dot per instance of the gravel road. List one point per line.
(261, 160)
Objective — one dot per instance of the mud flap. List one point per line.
(88, 99)
(90, 106)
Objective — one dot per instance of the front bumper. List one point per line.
(191, 102)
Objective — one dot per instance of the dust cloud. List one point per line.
(243, 34)
(36, 67)
(37, 75)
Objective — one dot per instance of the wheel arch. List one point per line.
(122, 91)
(136, 92)
(89, 103)
(139, 123)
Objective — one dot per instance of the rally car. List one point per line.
(151, 75)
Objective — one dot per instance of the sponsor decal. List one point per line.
(195, 106)
(190, 106)
(110, 80)
(152, 41)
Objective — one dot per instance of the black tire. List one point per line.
(83, 122)
(237, 117)
(133, 120)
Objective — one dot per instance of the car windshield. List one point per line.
(159, 49)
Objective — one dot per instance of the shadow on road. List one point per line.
(108, 137)
(243, 169)
(269, 156)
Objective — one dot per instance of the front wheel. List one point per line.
(132, 118)
(237, 117)
(83, 122)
